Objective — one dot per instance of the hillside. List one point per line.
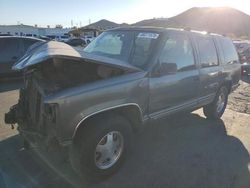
(219, 20)
(105, 24)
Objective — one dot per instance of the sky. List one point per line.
(82, 12)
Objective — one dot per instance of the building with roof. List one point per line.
(26, 30)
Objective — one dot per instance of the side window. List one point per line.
(142, 49)
(9, 50)
(178, 50)
(230, 54)
(27, 43)
(207, 51)
(111, 44)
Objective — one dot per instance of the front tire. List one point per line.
(216, 109)
(101, 147)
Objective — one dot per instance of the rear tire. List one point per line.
(216, 109)
(100, 147)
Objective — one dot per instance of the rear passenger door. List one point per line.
(210, 71)
(170, 92)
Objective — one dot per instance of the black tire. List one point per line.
(82, 155)
(211, 111)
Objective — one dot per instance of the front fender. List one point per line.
(75, 109)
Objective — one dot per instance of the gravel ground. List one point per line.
(239, 100)
(180, 151)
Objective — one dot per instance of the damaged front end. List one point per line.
(48, 70)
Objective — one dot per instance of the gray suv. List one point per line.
(90, 102)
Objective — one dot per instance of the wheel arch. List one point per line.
(131, 111)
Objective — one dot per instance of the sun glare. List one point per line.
(164, 8)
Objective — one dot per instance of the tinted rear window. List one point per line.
(230, 54)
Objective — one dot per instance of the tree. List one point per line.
(59, 26)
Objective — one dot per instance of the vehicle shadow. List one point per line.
(182, 151)
(185, 151)
(22, 168)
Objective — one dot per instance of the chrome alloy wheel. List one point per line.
(109, 150)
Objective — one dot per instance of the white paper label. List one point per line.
(148, 35)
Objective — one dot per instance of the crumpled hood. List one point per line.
(52, 49)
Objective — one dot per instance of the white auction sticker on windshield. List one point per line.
(148, 35)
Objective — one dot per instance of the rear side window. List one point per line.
(9, 50)
(230, 54)
(207, 51)
(178, 49)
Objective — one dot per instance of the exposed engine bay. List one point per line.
(56, 74)
(49, 77)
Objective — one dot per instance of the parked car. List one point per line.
(52, 37)
(30, 35)
(11, 49)
(91, 101)
(76, 42)
(243, 49)
(62, 38)
(44, 38)
(245, 68)
(5, 35)
(88, 39)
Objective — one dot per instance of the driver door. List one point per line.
(173, 91)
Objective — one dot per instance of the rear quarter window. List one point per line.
(229, 51)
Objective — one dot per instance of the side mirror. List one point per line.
(166, 68)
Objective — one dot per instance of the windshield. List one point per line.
(134, 47)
